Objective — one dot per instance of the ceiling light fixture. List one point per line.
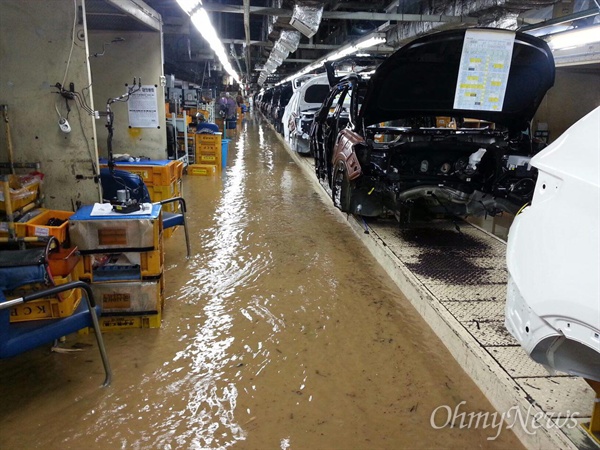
(201, 21)
(574, 38)
(370, 42)
(189, 6)
(341, 53)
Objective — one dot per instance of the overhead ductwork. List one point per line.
(280, 51)
(492, 13)
(306, 19)
(272, 20)
(290, 40)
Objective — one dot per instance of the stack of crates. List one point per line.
(123, 260)
(163, 179)
(208, 154)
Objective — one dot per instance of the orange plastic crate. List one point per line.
(38, 225)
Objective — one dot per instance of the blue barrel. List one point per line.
(224, 150)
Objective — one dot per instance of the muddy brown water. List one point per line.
(280, 332)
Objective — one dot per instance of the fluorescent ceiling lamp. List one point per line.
(574, 38)
(189, 5)
(375, 40)
(340, 54)
(201, 21)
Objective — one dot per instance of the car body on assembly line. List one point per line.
(553, 256)
(443, 125)
(297, 120)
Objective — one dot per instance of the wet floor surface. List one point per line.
(280, 332)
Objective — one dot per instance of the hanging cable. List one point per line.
(70, 55)
(72, 41)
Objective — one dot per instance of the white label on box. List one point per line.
(41, 231)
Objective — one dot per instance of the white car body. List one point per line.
(292, 104)
(553, 256)
(286, 115)
(299, 108)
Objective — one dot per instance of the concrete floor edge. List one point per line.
(499, 388)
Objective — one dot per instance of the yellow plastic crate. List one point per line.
(115, 323)
(158, 193)
(20, 229)
(203, 169)
(130, 297)
(209, 158)
(179, 166)
(208, 139)
(23, 189)
(153, 175)
(209, 147)
(150, 265)
(62, 305)
(21, 224)
(28, 288)
(38, 225)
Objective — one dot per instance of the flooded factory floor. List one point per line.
(282, 331)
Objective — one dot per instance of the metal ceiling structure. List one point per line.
(250, 28)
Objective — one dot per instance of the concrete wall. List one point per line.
(139, 56)
(574, 94)
(35, 42)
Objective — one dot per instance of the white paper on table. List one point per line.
(106, 209)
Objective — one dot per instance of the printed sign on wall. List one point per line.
(143, 108)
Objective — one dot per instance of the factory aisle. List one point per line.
(282, 331)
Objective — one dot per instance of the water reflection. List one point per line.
(266, 149)
(212, 401)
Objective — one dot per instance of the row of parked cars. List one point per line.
(443, 125)
(291, 107)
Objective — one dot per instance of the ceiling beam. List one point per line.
(345, 15)
(139, 11)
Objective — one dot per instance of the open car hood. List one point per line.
(420, 79)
